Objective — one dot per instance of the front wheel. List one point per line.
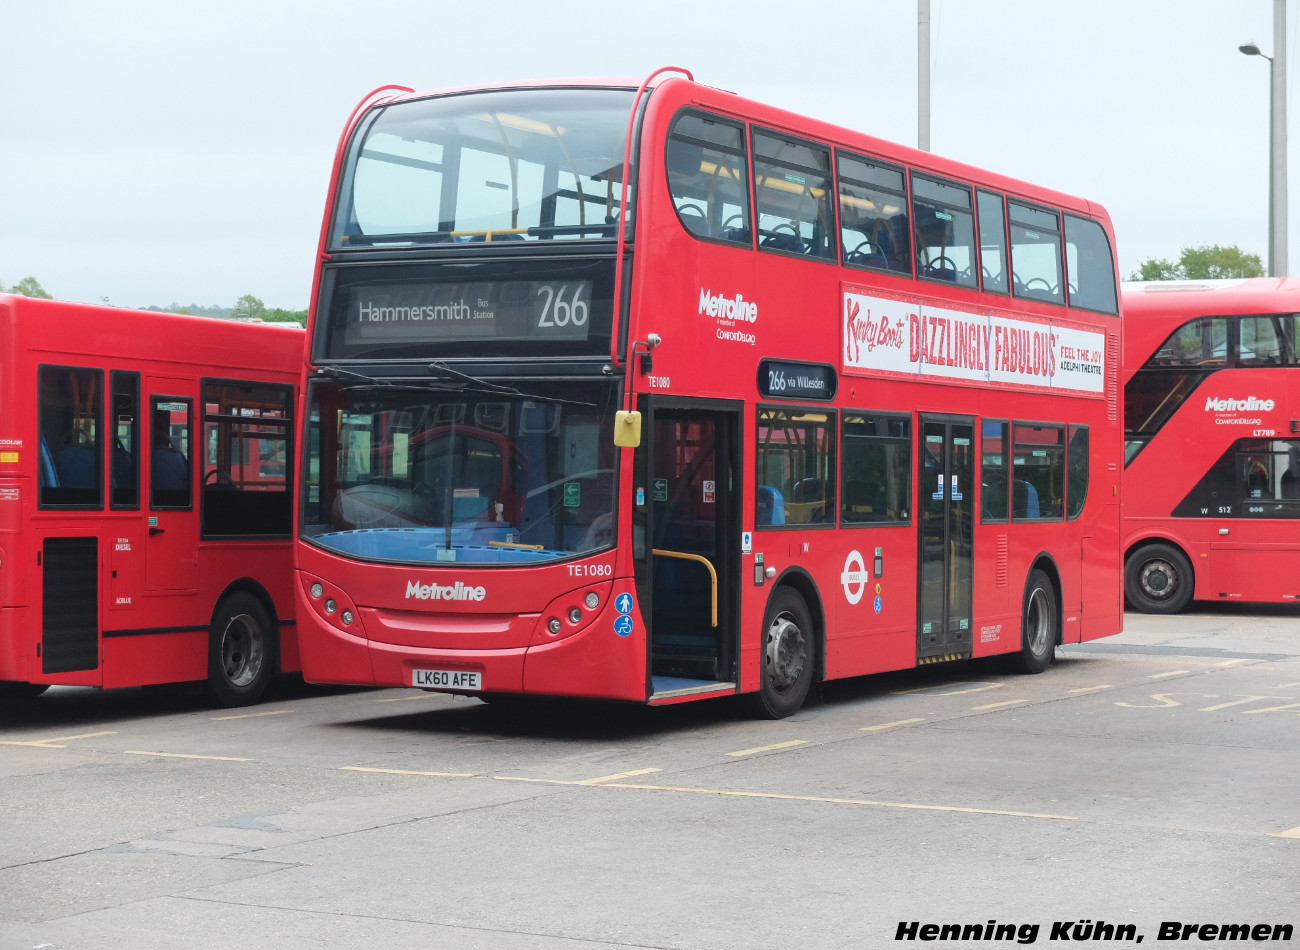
(241, 651)
(787, 656)
(1158, 579)
(1039, 625)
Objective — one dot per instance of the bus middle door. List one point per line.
(172, 545)
(946, 505)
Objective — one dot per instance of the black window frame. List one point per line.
(944, 206)
(744, 165)
(831, 254)
(1003, 468)
(91, 498)
(1029, 225)
(903, 194)
(829, 499)
(906, 442)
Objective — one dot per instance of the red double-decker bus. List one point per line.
(1212, 430)
(653, 393)
(146, 508)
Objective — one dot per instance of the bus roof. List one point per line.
(1153, 309)
(712, 97)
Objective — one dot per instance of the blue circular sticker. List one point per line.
(878, 603)
(623, 626)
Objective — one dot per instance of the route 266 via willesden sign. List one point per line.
(914, 339)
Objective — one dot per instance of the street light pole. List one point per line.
(1277, 197)
(923, 75)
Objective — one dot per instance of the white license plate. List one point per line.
(446, 679)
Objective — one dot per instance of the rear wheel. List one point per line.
(787, 655)
(1158, 579)
(241, 651)
(1039, 625)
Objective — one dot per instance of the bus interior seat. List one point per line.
(784, 241)
(75, 465)
(811, 492)
(771, 506)
(1024, 500)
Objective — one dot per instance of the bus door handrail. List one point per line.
(713, 575)
(622, 209)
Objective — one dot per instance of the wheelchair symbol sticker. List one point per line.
(623, 604)
(623, 626)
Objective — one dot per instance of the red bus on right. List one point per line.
(1212, 442)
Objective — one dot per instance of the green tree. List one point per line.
(29, 287)
(1207, 262)
(249, 307)
(280, 315)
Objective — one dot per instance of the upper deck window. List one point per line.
(792, 187)
(708, 178)
(1035, 253)
(993, 242)
(1090, 265)
(530, 164)
(873, 215)
(944, 228)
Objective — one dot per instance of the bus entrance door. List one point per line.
(946, 503)
(691, 505)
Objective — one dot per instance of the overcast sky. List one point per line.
(160, 152)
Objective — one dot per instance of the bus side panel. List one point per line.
(159, 658)
(878, 632)
(598, 662)
(1103, 585)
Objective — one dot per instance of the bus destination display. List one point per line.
(784, 379)
(443, 312)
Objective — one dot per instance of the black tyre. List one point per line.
(1158, 579)
(1039, 625)
(787, 656)
(241, 651)
(15, 694)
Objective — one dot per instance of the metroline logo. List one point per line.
(1249, 404)
(457, 591)
(728, 308)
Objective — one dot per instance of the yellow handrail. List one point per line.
(713, 575)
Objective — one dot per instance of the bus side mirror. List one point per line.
(627, 429)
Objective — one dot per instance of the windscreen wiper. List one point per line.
(484, 385)
(362, 381)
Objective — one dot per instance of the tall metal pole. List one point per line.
(923, 74)
(1277, 146)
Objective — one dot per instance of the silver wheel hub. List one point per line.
(785, 653)
(1158, 579)
(1038, 624)
(242, 650)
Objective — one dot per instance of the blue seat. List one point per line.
(771, 506)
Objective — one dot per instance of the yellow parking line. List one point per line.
(956, 692)
(405, 699)
(1009, 702)
(182, 755)
(1088, 689)
(560, 781)
(45, 743)
(1160, 676)
(843, 801)
(360, 768)
(890, 725)
(1293, 833)
(272, 712)
(609, 778)
(769, 748)
(1236, 662)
